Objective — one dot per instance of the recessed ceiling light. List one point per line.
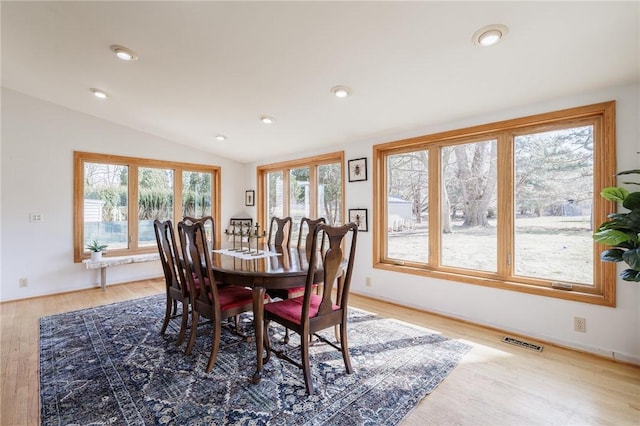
(99, 93)
(221, 138)
(267, 120)
(489, 35)
(341, 91)
(124, 53)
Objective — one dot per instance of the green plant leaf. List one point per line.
(96, 246)
(614, 193)
(612, 255)
(632, 201)
(632, 257)
(610, 237)
(630, 275)
(618, 223)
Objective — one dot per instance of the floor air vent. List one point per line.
(522, 344)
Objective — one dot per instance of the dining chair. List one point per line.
(176, 285)
(209, 227)
(310, 313)
(305, 236)
(210, 231)
(280, 231)
(210, 301)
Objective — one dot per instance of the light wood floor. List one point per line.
(495, 384)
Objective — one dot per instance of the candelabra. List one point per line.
(241, 230)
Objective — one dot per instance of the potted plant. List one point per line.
(622, 231)
(96, 250)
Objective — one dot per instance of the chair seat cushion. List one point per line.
(233, 296)
(291, 309)
(289, 293)
(196, 282)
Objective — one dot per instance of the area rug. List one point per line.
(110, 366)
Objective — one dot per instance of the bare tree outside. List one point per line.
(408, 206)
(469, 182)
(553, 188)
(554, 193)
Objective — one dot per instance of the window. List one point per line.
(310, 187)
(155, 201)
(109, 190)
(509, 204)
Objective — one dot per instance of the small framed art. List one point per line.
(357, 169)
(359, 217)
(249, 198)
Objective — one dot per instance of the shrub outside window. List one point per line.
(109, 190)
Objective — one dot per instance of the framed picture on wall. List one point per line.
(249, 198)
(359, 217)
(357, 169)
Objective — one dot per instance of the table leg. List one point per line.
(258, 315)
(103, 278)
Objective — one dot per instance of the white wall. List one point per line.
(38, 140)
(612, 332)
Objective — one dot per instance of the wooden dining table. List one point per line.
(287, 267)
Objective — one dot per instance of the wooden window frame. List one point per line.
(601, 115)
(286, 167)
(134, 163)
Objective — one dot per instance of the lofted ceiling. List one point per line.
(209, 68)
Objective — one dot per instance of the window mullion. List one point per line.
(313, 191)
(286, 208)
(177, 195)
(435, 203)
(134, 205)
(505, 223)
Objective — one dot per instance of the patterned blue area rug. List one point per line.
(110, 366)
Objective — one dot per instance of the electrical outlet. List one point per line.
(367, 281)
(580, 324)
(36, 218)
(22, 282)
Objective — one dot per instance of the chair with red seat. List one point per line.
(305, 235)
(310, 313)
(210, 301)
(177, 290)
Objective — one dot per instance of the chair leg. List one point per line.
(175, 307)
(192, 334)
(266, 341)
(345, 348)
(183, 325)
(167, 315)
(306, 369)
(215, 345)
(286, 336)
